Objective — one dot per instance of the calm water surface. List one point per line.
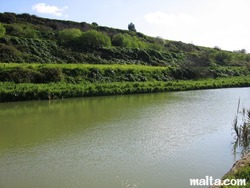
(150, 140)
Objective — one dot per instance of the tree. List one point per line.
(131, 27)
(94, 24)
(242, 51)
(2, 30)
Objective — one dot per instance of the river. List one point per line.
(147, 140)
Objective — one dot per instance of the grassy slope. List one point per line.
(32, 39)
(36, 64)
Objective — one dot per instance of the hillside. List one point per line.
(30, 44)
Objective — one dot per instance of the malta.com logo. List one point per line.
(210, 181)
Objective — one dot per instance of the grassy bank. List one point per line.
(79, 73)
(240, 170)
(241, 132)
(10, 91)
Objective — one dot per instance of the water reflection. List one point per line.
(151, 140)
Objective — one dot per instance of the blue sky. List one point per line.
(222, 23)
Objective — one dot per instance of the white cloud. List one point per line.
(221, 23)
(48, 9)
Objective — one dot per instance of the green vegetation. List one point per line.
(125, 40)
(2, 30)
(28, 37)
(88, 59)
(241, 127)
(241, 173)
(11, 91)
(94, 38)
(69, 35)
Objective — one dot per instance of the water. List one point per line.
(150, 140)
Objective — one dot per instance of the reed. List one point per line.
(241, 127)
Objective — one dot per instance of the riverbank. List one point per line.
(240, 170)
(20, 82)
(10, 91)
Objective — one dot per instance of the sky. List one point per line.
(221, 23)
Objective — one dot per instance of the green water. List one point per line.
(149, 140)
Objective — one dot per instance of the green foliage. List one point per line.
(9, 53)
(51, 74)
(125, 40)
(31, 39)
(242, 173)
(122, 40)
(227, 71)
(22, 30)
(242, 51)
(74, 73)
(8, 17)
(222, 57)
(10, 91)
(2, 30)
(241, 128)
(94, 24)
(67, 35)
(155, 46)
(19, 49)
(20, 75)
(137, 43)
(94, 38)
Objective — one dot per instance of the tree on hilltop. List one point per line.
(131, 27)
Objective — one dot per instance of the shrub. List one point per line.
(19, 75)
(125, 40)
(2, 30)
(21, 30)
(222, 57)
(51, 74)
(67, 35)
(94, 38)
(9, 53)
(8, 17)
(122, 40)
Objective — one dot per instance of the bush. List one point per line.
(2, 30)
(9, 53)
(222, 57)
(94, 38)
(21, 30)
(8, 17)
(125, 40)
(67, 35)
(19, 75)
(122, 40)
(51, 74)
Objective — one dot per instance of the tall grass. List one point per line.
(241, 127)
(10, 91)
